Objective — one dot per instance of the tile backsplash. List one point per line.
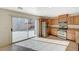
(69, 26)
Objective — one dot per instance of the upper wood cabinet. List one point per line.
(76, 20)
(71, 34)
(40, 26)
(49, 30)
(49, 21)
(54, 31)
(63, 17)
(54, 21)
(70, 20)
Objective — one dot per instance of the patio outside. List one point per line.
(22, 28)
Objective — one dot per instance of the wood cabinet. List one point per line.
(40, 26)
(49, 30)
(70, 20)
(53, 31)
(76, 20)
(54, 21)
(63, 18)
(49, 21)
(71, 34)
(77, 36)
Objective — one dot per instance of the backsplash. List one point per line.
(69, 26)
(73, 26)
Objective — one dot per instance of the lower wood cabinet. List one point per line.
(71, 34)
(77, 36)
(53, 31)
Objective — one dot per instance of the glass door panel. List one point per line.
(31, 28)
(19, 29)
(23, 28)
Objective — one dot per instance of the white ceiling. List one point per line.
(46, 11)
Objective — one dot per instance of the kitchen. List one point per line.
(65, 27)
(55, 33)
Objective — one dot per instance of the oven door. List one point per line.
(62, 34)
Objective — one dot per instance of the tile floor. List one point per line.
(36, 45)
(15, 48)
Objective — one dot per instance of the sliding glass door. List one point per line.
(22, 28)
(31, 28)
(19, 29)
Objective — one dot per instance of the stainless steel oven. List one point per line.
(62, 34)
(62, 31)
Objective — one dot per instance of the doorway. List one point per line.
(23, 28)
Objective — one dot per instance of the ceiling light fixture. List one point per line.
(20, 8)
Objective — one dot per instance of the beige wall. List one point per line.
(5, 25)
(5, 32)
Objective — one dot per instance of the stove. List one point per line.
(62, 34)
(62, 31)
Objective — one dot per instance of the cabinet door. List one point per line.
(54, 31)
(63, 18)
(70, 20)
(55, 21)
(71, 34)
(40, 26)
(52, 22)
(77, 36)
(49, 30)
(49, 21)
(76, 20)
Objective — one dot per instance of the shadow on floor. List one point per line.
(16, 48)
